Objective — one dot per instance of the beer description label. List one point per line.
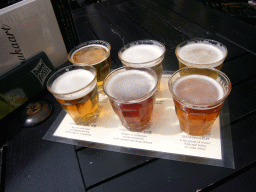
(164, 134)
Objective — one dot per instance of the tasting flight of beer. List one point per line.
(198, 88)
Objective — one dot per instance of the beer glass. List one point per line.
(201, 53)
(132, 94)
(198, 98)
(144, 54)
(75, 88)
(95, 53)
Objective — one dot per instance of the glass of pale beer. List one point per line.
(95, 53)
(201, 53)
(198, 98)
(75, 88)
(144, 54)
(132, 94)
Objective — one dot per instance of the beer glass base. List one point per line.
(87, 121)
(137, 128)
(198, 133)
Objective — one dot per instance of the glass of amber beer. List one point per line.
(95, 53)
(201, 53)
(75, 88)
(144, 54)
(132, 94)
(198, 98)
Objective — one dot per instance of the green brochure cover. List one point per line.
(24, 82)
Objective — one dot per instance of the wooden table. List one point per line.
(34, 164)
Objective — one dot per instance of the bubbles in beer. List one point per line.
(200, 53)
(73, 81)
(198, 89)
(142, 53)
(131, 84)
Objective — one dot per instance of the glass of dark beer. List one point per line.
(75, 88)
(198, 98)
(95, 53)
(201, 53)
(132, 94)
(144, 54)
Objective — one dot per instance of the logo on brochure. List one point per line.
(41, 71)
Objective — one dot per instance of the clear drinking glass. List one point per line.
(75, 88)
(198, 98)
(144, 54)
(201, 53)
(132, 94)
(95, 53)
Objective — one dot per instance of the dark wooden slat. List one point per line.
(112, 2)
(99, 6)
(243, 182)
(234, 50)
(166, 176)
(125, 25)
(119, 32)
(99, 165)
(161, 31)
(187, 27)
(168, 18)
(132, 32)
(215, 21)
(244, 136)
(33, 164)
(104, 31)
(55, 168)
(242, 100)
(241, 68)
(170, 62)
(83, 30)
(2, 154)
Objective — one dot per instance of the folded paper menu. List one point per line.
(164, 134)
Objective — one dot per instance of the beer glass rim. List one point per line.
(77, 66)
(204, 65)
(141, 42)
(120, 100)
(201, 105)
(86, 43)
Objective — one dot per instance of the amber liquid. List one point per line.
(197, 90)
(94, 55)
(182, 65)
(136, 116)
(194, 121)
(82, 110)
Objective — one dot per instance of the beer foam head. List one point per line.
(143, 53)
(201, 53)
(198, 89)
(72, 84)
(90, 54)
(130, 85)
